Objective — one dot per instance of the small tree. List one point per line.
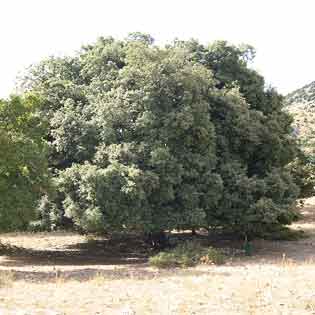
(23, 161)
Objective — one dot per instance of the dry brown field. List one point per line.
(64, 273)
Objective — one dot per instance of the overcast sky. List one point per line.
(282, 31)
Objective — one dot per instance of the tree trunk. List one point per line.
(157, 240)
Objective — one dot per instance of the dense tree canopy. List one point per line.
(23, 161)
(151, 138)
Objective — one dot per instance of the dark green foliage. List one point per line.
(280, 233)
(303, 170)
(23, 166)
(187, 254)
(150, 139)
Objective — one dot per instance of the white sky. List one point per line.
(282, 31)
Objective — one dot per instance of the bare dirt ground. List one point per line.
(64, 273)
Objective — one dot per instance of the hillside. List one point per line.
(303, 97)
(301, 104)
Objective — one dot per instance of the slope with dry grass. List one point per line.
(301, 104)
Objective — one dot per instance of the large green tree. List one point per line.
(152, 138)
(23, 161)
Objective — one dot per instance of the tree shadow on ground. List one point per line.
(94, 259)
(127, 250)
(103, 275)
(134, 253)
(121, 251)
(127, 257)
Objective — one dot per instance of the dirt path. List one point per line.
(62, 273)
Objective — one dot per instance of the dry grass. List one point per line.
(6, 279)
(282, 289)
(61, 274)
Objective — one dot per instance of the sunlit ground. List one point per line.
(64, 273)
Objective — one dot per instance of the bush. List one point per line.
(187, 254)
(212, 256)
(37, 226)
(303, 172)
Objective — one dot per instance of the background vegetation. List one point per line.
(23, 161)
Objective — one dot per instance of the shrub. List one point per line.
(303, 172)
(212, 256)
(187, 254)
